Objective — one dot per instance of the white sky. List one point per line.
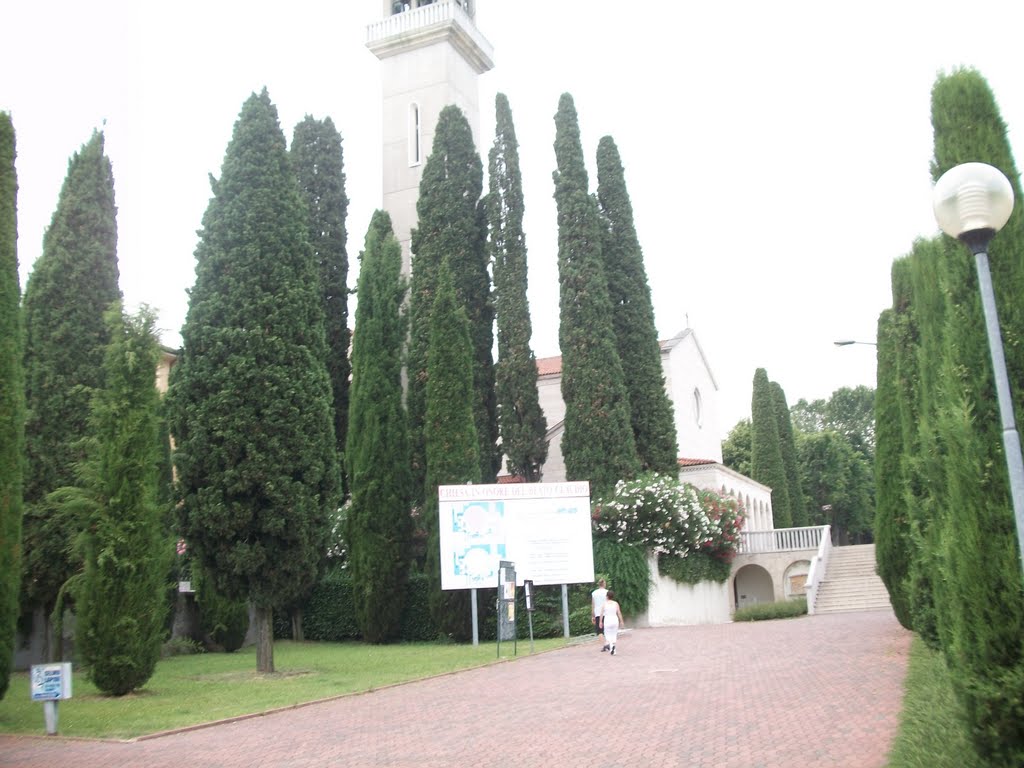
(777, 154)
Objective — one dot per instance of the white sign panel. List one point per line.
(544, 528)
(51, 682)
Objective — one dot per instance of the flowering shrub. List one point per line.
(672, 518)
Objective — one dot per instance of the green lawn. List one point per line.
(186, 690)
(933, 732)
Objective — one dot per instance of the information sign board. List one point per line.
(544, 528)
(51, 682)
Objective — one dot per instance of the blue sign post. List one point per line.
(49, 684)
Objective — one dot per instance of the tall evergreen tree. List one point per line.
(71, 286)
(380, 479)
(893, 551)
(654, 426)
(319, 165)
(522, 424)
(918, 362)
(980, 600)
(452, 224)
(766, 465)
(12, 403)
(451, 441)
(121, 601)
(597, 443)
(250, 398)
(787, 446)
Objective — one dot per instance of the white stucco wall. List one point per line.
(686, 373)
(549, 396)
(672, 604)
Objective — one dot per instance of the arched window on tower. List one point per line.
(415, 155)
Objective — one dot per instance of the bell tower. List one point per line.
(431, 54)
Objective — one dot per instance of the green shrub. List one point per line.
(694, 568)
(328, 614)
(627, 574)
(786, 609)
(660, 513)
(417, 623)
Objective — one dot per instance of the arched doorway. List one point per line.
(753, 584)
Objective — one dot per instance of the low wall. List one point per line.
(672, 604)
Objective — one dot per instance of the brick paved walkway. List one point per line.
(819, 690)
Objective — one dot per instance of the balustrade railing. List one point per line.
(819, 567)
(415, 19)
(781, 540)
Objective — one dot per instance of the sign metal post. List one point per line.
(506, 604)
(49, 684)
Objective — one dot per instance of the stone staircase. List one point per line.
(850, 582)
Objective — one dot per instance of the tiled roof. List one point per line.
(549, 365)
(510, 479)
(694, 462)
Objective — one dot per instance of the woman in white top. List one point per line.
(611, 620)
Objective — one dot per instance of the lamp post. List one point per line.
(972, 202)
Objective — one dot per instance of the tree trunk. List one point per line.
(264, 619)
(297, 634)
(42, 629)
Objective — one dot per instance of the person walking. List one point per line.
(597, 600)
(611, 621)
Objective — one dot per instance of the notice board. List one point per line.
(544, 528)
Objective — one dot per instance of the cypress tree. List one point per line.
(522, 424)
(787, 446)
(72, 284)
(980, 602)
(651, 413)
(598, 442)
(766, 465)
(452, 224)
(451, 441)
(379, 520)
(250, 397)
(12, 403)
(918, 363)
(319, 164)
(892, 525)
(121, 602)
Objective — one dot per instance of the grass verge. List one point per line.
(933, 732)
(189, 690)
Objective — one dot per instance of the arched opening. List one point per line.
(752, 584)
(794, 581)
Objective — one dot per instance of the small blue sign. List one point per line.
(51, 682)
